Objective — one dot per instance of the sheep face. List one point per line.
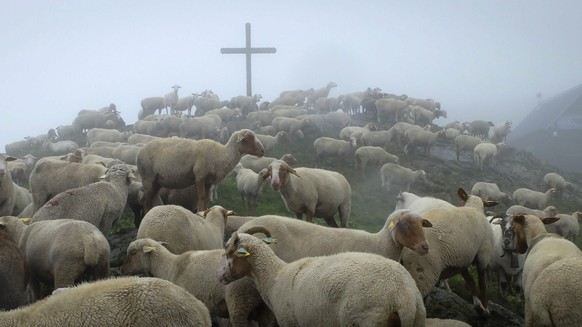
(137, 256)
(407, 230)
(233, 264)
(249, 144)
(522, 224)
(279, 172)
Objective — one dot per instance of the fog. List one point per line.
(480, 59)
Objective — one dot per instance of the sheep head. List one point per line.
(223, 212)
(406, 230)
(465, 198)
(234, 264)
(137, 260)
(526, 227)
(248, 143)
(279, 172)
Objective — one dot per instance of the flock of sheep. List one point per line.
(55, 214)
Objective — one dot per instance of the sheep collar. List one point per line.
(537, 239)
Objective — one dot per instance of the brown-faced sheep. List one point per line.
(178, 163)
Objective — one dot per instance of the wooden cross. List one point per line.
(248, 50)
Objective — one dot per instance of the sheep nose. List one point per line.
(506, 242)
(425, 247)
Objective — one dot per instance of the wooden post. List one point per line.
(248, 50)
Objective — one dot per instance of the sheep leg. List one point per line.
(150, 193)
(242, 197)
(477, 301)
(309, 216)
(330, 221)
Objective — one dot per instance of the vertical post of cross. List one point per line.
(248, 50)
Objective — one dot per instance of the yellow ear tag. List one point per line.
(391, 225)
(149, 248)
(25, 220)
(242, 252)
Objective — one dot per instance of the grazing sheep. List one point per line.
(195, 271)
(478, 128)
(373, 155)
(170, 99)
(298, 239)
(490, 191)
(464, 142)
(542, 249)
(6, 187)
(313, 192)
(330, 147)
(250, 186)
(376, 138)
(183, 230)
(421, 137)
(533, 199)
(178, 163)
(346, 132)
(269, 142)
(486, 152)
(554, 180)
(568, 226)
(12, 272)
(59, 253)
(459, 237)
(397, 131)
(336, 290)
(499, 132)
(100, 203)
(116, 302)
(257, 164)
(393, 174)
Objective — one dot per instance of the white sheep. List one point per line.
(269, 142)
(490, 191)
(205, 127)
(195, 271)
(60, 252)
(346, 132)
(464, 142)
(298, 239)
(116, 302)
(396, 132)
(419, 205)
(107, 135)
(290, 125)
(20, 169)
(257, 164)
(460, 237)
(308, 292)
(373, 155)
(313, 192)
(226, 114)
(183, 230)
(6, 186)
(543, 249)
(376, 138)
(486, 152)
(533, 199)
(22, 198)
(554, 180)
(568, 226)
(326, 147)
(100, 203)
(250, 186)
(322, 92)
(178, 163)
(140, 138)
(170, 99)
(549, 211)
(499, 132)
(126, 153)
(60, 147)
(246, 104)
(390, 109)
(421, 137)
(393, 174)
(185, 104)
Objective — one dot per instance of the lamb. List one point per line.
(533, 199)
(195, 271)
(298, 239)
(373, 155)
(116, 302)
(6, 187)
(499, 132)
(465, 142)
(421, 137)
(393, 174)
(554, 180)
(12, 272)
(250, 186)
(306, 291)
(346, 132)
(178, 163)
(330, 147)
(100, 203)
(170, 99)
(542, 249)
(460, 237)
(313, 192)
(59, 253)
(490, 191)
(257, 164)
(269, 142)
(487, 152)
(183, 230)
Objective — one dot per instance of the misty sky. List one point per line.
(480, 59)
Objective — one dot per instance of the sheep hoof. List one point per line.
(483, 312)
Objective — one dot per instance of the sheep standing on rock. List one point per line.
(6, 186)
(558, 182)
(313, 192)
(393, 174)
(101, 203)
(499, 132)
(486, 152)
(170, 99)
(178, 163)
(335, 290)
(464, 142)
(116, 302)
(423, 138)
(60, 253)
(533, 199)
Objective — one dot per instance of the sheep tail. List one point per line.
(91, 255)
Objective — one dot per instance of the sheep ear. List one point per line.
(490, 203)
(520, 219)
(147, 249)
(241, 137)
(266, 174)
(462, 194)
(10, 158)
(131, 176)
(549, 220)
(242, 252)
(426, 223)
